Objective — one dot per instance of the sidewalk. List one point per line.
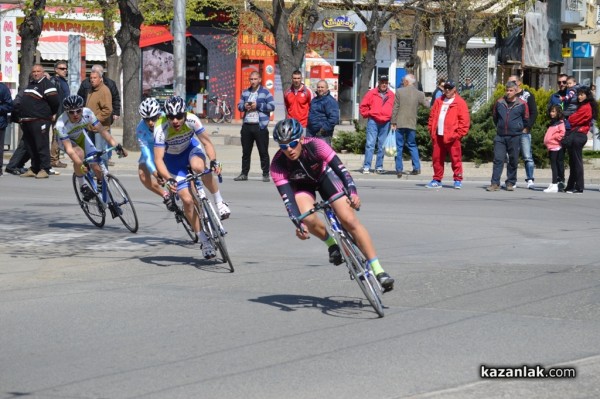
(226, 139)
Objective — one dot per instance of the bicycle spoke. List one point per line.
(216, 232)
(122, 203)
(94, 208)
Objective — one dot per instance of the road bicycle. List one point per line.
(356, 262)
(180, 217)
(210, 222)
(218, 110)
(110, 194)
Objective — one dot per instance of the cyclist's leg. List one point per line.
(305, 200)
(209, 181)
(149, 181)
(177, 165)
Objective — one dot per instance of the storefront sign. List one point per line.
(404, 49)
(566, 52)
(581, 49)
(339, 22)
(9, 56)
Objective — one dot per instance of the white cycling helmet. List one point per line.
(149, 108)
(175, 105)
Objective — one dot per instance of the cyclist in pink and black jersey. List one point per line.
(305, 165)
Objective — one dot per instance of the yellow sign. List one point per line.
(566, 52)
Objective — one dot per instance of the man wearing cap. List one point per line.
(376, 106)
(448, 123)
(404, 122)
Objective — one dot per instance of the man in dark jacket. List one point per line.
(6, 106)
(324, 114)
(526, 152)
(39, 105)
(59, 80)
(511, 116)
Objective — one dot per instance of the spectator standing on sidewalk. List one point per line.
(324, 114)
(526, 150)
(449, 122)
(256, 103)
(59, 80)
(39, 105)
(85, 88)
(438, 92)
(404, 121)
(556, 153)
(376, 106)
(297, 99)
(511, 115)
(100, 102)
(6, 106)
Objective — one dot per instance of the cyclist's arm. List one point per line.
(289, 199)
(208, 146)
(339, 169)
(159, 153)
(147, 153)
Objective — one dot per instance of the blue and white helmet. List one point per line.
(149, 108)
(175, 105)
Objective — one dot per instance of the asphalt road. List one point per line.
(496, 279)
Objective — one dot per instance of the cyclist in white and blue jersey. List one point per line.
(70, 128)
(150, 111)
(180, 144)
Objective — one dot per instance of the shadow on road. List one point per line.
(215, 265)
(332, 306)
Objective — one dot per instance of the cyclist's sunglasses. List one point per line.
(291, 144)
(75, 111)
(153, 119)
(178, 116)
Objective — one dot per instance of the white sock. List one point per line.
(80, 180)
(218, 197)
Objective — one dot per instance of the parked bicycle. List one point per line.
(109, 194)
(355, 260)
(218, 109)
(210, 222)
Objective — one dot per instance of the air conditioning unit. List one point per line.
(436, 25)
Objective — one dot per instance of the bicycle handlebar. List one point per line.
(97, 155)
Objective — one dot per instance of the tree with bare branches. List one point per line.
(30, 31)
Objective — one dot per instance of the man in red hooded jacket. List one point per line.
(448, 123)
(297, 99)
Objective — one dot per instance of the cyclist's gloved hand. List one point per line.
(354, 201)
(172, 184)
(216, 166)
(302, 232)
(84, 169)
(121, 151)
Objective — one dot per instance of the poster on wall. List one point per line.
(8, 50)
(158, 69)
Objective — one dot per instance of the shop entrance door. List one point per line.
(346, 90)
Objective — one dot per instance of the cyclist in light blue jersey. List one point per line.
(180, 144)
(150, 111)
(70, 128)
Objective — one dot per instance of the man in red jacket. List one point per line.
(448, 123)
(297, 99)
(376, 106)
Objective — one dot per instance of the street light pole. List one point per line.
(178, 30)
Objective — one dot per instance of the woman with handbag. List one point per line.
(581, 122)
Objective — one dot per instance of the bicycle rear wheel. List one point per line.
(357, 264)
(94, 208)
(212, 113)
(122, 203)
(227, 113)
(181, 218)
(214, 229)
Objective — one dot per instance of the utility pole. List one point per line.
(178, 30)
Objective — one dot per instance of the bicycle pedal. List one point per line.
(114, 211)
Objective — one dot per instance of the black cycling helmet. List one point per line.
(175, 105)
(287, 130)
(73, 102)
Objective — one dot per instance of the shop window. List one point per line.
(583, 70)
(346, 46)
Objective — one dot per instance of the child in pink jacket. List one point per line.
(556, 153)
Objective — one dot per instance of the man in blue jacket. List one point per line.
(511, 116)
(324, 114)
(6, 106)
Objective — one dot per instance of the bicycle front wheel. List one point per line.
(212, 113)
(214, 230)
(122, 203)
(181, 218)
(357, 264)
(94, 208)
